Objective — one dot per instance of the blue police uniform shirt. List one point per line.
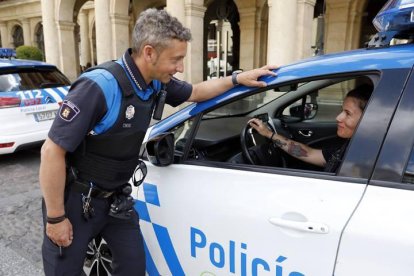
(93, 102)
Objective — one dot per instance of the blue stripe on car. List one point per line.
(151, 194)
(151, 268)
(57, 97)
(167, 249)
(161, 232)
(141, 208)
(60, 93)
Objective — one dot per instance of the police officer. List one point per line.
(93, 146)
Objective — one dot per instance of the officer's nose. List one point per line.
(180, 67)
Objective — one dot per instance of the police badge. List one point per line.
(130, 112)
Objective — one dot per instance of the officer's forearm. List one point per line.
(209, 89)
(52, 175)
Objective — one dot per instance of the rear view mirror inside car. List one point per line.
(306, 111)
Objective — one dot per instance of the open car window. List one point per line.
(302, 111)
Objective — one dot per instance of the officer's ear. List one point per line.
(149, 53)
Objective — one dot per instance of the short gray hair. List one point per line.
(157, 28)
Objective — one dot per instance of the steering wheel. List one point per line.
(246, 135)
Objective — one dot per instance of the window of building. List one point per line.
(18, 36)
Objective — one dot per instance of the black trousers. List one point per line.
(123, 237)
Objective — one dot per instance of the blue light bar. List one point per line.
(7, 53)
(396, 15)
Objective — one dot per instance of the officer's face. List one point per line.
(169, 61)
(349, 117)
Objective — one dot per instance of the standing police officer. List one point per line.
(93, 145)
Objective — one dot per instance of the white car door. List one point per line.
(202, 220)
(379, 240)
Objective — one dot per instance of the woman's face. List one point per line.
(348, 119)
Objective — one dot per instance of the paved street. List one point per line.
(20, 213)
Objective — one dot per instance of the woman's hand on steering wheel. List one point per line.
(260, 127)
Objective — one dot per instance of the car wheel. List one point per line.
(98, 259)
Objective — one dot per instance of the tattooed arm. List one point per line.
(295, 149)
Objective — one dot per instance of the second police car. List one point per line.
(204, 211)
(30, 93)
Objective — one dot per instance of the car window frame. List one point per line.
(349, 156)
(398, 146)
(374, 125)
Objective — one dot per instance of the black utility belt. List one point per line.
(84, 187)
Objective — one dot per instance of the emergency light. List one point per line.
(7, 53)
(394, 20)
(396, 15)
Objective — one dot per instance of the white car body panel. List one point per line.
(195, 203)
(19, 125)
(379, 238)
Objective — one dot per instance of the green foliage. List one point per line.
(29, 52)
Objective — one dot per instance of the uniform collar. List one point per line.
(136, 74)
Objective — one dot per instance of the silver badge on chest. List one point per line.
(130, 112)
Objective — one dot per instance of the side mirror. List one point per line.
(160, 149)
(308, 111)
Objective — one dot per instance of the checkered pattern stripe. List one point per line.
(151, 200)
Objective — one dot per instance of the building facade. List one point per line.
(227, 34)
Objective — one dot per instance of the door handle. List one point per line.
(306, 132)
(308, 226)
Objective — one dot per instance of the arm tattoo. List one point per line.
(279, 143)
(296, 150)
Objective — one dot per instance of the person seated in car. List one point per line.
(329, 158)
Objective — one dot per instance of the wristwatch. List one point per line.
(234, 77)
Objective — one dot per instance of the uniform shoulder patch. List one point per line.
(68, 111)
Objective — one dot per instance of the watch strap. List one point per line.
(234, 78)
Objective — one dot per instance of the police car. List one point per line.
(205, 212)
(30, 93)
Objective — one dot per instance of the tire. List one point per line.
(98, 259)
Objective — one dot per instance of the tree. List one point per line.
(29, 52)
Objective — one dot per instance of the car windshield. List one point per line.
(31, 78)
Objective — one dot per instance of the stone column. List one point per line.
(26, 32)
(260, 40)
(50, 32)
(194, 13)
(120, 28)
(247, 35)
(5, 41)
(336, 25)
(177, 9)
(304, 28)
(66, 45)
(85, 53)
(103, 31)
(282, 30)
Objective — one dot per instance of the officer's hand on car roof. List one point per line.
(250, 78)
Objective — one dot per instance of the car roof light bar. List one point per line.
(7, 53)
(394, 20)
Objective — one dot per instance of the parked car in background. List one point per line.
(30, 94)
(213, 75)
(205, 209)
